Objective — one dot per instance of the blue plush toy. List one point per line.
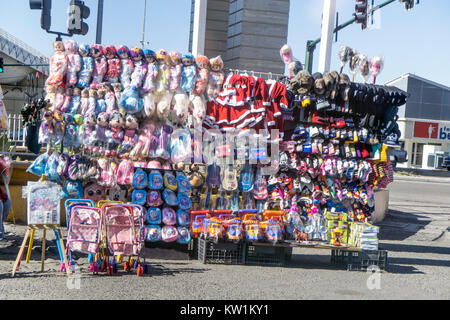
(130, 101)
(72, 189)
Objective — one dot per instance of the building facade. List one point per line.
(424, 121)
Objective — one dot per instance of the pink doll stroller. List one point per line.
(139, 215)
(84, 232)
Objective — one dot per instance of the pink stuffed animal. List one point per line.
(100, 65)
(67, 99)
(58, 65)
(74, 62)
(114, 64)
(145, 139)
(59, 99)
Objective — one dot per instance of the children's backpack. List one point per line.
(169, 234)
(154, 198)
(51, 168)
(184, 236)
(153, 233)
(140, 179)
(170, 197)
(125, 172)
(170, 182)
(155, 180)
(183, 218)
(169, 217)
(184, 201)
(72, 189)
(183, 183)
(154, 216)
(139, 197)
(38, 166)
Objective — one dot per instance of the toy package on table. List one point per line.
(43, 202)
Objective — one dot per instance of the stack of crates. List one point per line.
(360, 260)
(273, 256)
(221, 252)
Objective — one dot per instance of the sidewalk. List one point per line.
(436, 176)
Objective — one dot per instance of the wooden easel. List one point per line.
(30, 232)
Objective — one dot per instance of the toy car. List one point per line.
(253, 231)
(212, 229)
(197, 225)
(234, 229)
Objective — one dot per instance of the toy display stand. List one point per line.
(30, 232)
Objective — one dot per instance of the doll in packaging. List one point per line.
(84, 101)
(58, 127)
(58, 65)
(114, 134)
(163, 76)
(92, 107)
(142, 147)
(140, 67)
(87, 66)
(127, 66)
(110, 97)
(114, 64)
(67, 100)
(188, 73)
(101, 103)
(216, 78)
(74, 62)
(100, 131)
(59, 99)
(152, 71)
(100, 65)
(75, 103)
(50, 96)
(130, 134)
(197, 98)
(89, 135)
(46, 128)
(175, 71)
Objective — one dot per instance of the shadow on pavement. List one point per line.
(414, 248)
(398, 225)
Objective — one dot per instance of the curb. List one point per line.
(421, 179)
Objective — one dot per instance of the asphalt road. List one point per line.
(415, 232)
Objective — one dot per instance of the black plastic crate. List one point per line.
(221, 252)
(361, 261)
(274, 256)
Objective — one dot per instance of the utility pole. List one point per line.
(329, 10)
(198, 38)
(98, 38)
(143, 42)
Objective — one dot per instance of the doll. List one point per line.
(92, 106)
(101, 103)
(175, 70)
(89, 134)
(201, 80)
(100, 131)
(100, 65)
(216, 78)
(114, 135)
(142, 147)
(74, 62)
(84, 101)
(110, 98)
(59, 98)
(188, 73)
(58, 65)
(75, 103)
(114, 64)
(130, 134)
(152, 71)
(70, 137)
(87, 66)
(46, 128)
(58, 127)
(163, 76)
(50, 96)
(140, 67)
(127, 66)
(67, 100)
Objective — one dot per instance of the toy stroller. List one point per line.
(84, 232)
(139, 215)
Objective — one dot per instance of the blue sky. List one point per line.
(415, 41)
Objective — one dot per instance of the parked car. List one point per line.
(400, 156)
(446, 163)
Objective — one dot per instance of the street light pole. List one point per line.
(329, 9)
(98, 38)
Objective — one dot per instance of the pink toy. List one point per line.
(127, 65)
(59, 99)
(58, 65)
(175, 70)
(74, 62)
(84, 101)
(110, 98)
(114, 64)
(375, 66)
(216, 78)
(46, 128)
(67, 99)
(89, 134)
(100, 65)
(142, 146)
(202, 75)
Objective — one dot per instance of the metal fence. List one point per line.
(16, 134)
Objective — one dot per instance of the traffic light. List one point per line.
(46, 7)
(409, 4)
(1, 65)
(361, 13)
(77, 12)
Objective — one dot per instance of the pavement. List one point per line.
(416, 233)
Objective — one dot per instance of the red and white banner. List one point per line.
(431, 130)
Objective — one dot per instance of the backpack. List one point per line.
(125, 172)
(139, 197)
(184, 236)
(183, 218)
(183, 183)
(51, 168)
(169, 217)
(140, 179)
(169, 234)
(170, 182)
(72, 189)
(155, 180)
(170, 197)
(154, 216)
(154, 198)
(153, 233)
(184, 201)
(38, 166)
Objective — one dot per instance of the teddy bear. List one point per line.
(188, 72)
(114, 65)
(100, 65)
(130, 133)
(87, 66)
(130, 102)
(127, 65)
(84, 101)
(114, 135)
(152, 71)
(140, 67)
(110, 97)
(100, 131)
(142, 147)
(216, 78)
(58, 65)
(73, 60)
(89, 134)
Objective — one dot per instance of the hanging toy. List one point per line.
(142, 146)
(46, 128)
(110, 97)
(87, 66)
(375, 66)
(58, 65)
(345, 55)
(100, 65)
(75, 102)
(363, 67)
(130, 136)
(152, 71)
(140, 67)
(114, 65)
(74, 62)
(92, 106)
(101, 103)
(175, 71)
(161, 96)
(127, 66)
(89, 134)
(130, 102)
(59, 99)
(100, 131)
(50, 96)
(293, 65)
(197, 98)
(188, 72)
(114, 134)
(216, 78)
(354, 63)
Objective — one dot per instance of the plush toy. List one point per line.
(197, 97)
(188, 73)
(100, 65)
(89, 134)
(58, 127)
(130, 134)
(101, 103)
(114, 134)
(140, 67)
(100, 131)
(46, 128)
(59, 99)
(152, 71)
(75, 102)
(163, 76)
(175, 71)
(127, 66)
(87, 66)
(181, 107)
(84, 101)
(79, 123)
(110, 97)
(145, 139)
(130, 101)
(58, 65)
(50, 96)
(74, 62)
(94, 192)
(114, 67)
(92, 107)
(117, 87)
(70, 137)
(67, 100)
(216, 78)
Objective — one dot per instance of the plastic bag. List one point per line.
(38, 166)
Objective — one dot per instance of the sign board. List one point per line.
(43, 203)
(431, 130)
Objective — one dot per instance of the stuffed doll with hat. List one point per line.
(152, 71)
(58, 65)
(163, 76)
(188, 72)
(114, 64)
(216, 78)
(127, 65)
(114, 135)
(73, 60)
(100, 65)
(87, 66)
(140, 67)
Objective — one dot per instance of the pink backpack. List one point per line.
(125, 172)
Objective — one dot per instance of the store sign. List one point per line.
(431, 130)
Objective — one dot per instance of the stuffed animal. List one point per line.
(89, 134)
(100, 131)
(130, 101)
(140, 67)
(110, 97)
(145, 139)
(181, 107)
(114, 67)
(127, 65)
(101, 103)
(58, 65)
(188, 73)
(130, 134)
(75, 103)
(84, 101)
(175, 71)
(117, 87)
(152, 71)
(114, 134)
(46, 128)
(100, 65)
(216, 78)
(67, 100)
(73, 62)
(87, 66)
(70, 137)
